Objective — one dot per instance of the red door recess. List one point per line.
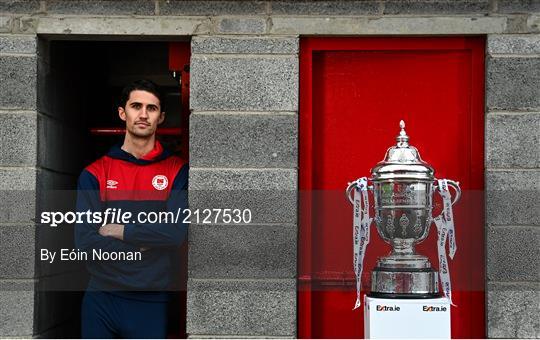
(353, 93)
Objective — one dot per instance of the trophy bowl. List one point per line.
(403, 210)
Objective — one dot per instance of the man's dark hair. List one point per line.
(142, 85)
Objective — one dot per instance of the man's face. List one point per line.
(142, 113)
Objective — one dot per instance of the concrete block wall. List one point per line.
(18, 172)
(243, 154)
(512, 187)
(244, 136)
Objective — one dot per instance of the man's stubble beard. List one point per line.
(147, 134)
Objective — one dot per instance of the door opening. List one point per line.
(79, 83)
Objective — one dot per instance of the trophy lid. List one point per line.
(402, 161)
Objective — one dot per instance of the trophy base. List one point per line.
(404, 277)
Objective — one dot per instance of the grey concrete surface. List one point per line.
(18, 79)
(17, 251)
(17, 44)
(17, 312)
(512, 140)
(244, 140)
(242, 251)
(122, 25)
(325, 7)
(108, 7)
(533, 23)
(512, 83)
(17, 206)
(18, 139)
(247, 45)
(513, 254)
(512, 310)
(20, 6)
(17, 178)
(241, 25)
(211, 7)
(263, 307)
(5, 24)
(512, 197)
(445, 7)
(270, 195)
(518, 6)
(513, 44)
(388, 25)
(244, 84)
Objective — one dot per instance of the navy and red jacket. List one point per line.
(156, 182)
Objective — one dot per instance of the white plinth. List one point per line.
(406, 318)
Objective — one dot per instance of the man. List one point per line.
(128, 297)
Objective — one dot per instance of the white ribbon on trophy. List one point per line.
(361, 223)
(445, 230)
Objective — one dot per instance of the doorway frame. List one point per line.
(311, 45)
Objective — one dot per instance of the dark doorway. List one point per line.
(79, 84)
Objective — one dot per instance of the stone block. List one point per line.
(17, 195)
(244, 45)
(518, 6)
(533, 23)
(17, 178)
(270, 194)
(512, 310)
(513, 254)
(123, 26)
(427, 25)
(512, 83)
(241, 25)
(5, 24)
(243, 140)
(512, 197)
(28, 25)
(242, 251)
(244, 84)
(17, 251)
(516, 24)
(512, 140)
(100, 7)
(18, 44)
(325, 7)
(211, 8)
(445, 7)
(18, 139)
(18, 79)
(254, 308)
(17, 206)
(20, 6)
(17, 312)
(513, 44)
(59, 146)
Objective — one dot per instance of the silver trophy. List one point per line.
(403, 186)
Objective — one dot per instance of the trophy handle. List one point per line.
(457, 189)
(349, 190)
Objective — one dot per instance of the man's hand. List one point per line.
(113, 230)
